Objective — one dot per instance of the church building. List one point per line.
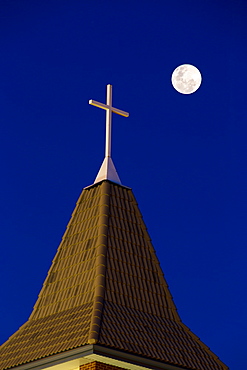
(105, 304)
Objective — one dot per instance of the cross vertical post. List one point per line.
(108, 121)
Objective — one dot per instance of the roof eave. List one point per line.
(74, 358)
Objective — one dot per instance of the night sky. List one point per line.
(184, 156)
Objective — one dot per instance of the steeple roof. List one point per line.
(105, 289)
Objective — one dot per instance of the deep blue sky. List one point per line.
(183, 155)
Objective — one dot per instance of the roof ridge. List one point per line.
(101, 252)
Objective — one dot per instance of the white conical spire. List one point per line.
(107, 170)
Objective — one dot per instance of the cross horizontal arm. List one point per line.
(99, 105)
(120, 112)
(108, 107)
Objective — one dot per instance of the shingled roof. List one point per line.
(105, 287)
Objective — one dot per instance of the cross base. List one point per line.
(107, 172)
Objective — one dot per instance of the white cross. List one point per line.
(109, 109)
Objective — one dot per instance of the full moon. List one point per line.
(186, 79)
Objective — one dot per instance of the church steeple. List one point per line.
(105, 298)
